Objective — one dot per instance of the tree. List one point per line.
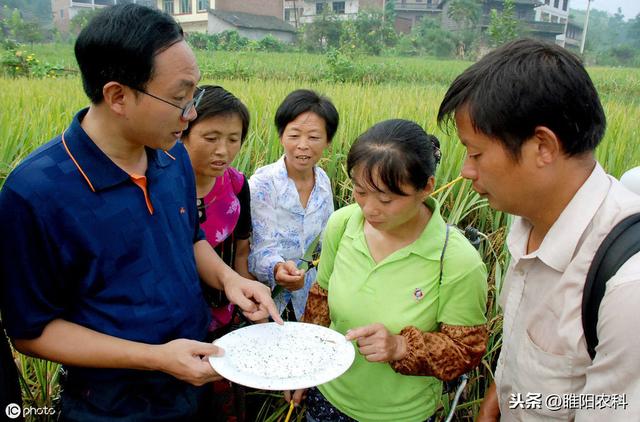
(633, 32)
(598, 37)
(465, 13)
(368, 32)
(4, 28)
(610, 40)
(503, 26)
(231, 40)
(37, 11)
(323, 33)
(14, 26)
(14, 23)
(271, 43)
(431, 39)
(390, 11)
(81, 19)
(31, 33)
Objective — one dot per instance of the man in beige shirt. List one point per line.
(530, 119)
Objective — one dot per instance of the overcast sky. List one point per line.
(630, 8)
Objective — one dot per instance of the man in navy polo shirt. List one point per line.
(101, 254)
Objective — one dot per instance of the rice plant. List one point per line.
(33, 111)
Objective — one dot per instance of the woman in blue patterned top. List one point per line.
(291, 199)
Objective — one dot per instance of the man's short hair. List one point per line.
(524, 84)
(120, 44)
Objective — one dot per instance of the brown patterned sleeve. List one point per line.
(317, 309)
(445, 354)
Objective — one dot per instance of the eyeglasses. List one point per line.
(186, 110)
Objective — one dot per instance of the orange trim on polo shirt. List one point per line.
(64, 143)
(170, 156)
(141, 182)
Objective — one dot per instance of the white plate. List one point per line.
(283, 357)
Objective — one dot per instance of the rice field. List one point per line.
(33, 111)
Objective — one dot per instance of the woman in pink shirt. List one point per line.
(213, 140)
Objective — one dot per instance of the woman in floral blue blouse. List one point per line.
(291, 199)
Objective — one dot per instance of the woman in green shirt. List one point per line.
(417, 314)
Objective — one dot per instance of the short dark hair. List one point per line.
(397, 152)
(120, 44)
(303, 100)
(217, 101)
(524, 84)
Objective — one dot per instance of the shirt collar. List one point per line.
(281, 169)
(283, 175)
(560, 243)
(430, 243)
(99, 170)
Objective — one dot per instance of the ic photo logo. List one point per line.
(13, 411)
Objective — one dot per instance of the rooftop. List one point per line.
(250, 21)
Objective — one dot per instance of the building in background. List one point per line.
(254, 27)
(555, 11)
(65, 10)
(299, 12)
(574, 35)
(410, 12)
(253, 19)
(526, 11)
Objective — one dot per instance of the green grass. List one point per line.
(34, 111)
(623, 84)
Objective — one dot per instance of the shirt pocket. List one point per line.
(551, 375)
